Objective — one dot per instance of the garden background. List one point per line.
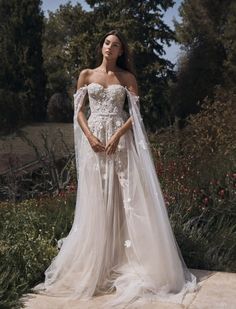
(188, 109)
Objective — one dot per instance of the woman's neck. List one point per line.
(108, 66)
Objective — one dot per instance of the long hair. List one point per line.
(125, 61)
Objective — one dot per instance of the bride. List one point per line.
(121, 240)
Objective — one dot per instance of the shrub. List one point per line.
(59, 108)
(196, 167)
(28, 241)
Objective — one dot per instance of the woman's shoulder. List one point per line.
(130, 81)
(129, 76)
(83, 77)
(85, 72)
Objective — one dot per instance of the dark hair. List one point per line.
(125, 61)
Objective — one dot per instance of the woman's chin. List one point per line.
(108, 55)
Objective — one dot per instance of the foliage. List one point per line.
(29, 232)
(70, 46)
(22, 79)
(229, 42)
(59, 108)
(196, 166)
(206, 33)
(142, 23)
(213, 131)
(66, 34)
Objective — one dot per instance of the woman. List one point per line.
(121, 239)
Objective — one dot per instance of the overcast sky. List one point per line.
(171, 52)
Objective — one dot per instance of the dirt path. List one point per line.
(13, 148)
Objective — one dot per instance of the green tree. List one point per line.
(206, 34)
(64, 46)
(67, 49)
(229, 42)
(142, 23)
(72, 35)
(22, 80)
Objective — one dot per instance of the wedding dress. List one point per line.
(121, 239)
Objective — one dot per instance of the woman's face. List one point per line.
(112, 47)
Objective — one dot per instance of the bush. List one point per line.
(196, 167)
(28, 241)
(59, 108)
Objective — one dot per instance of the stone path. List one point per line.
(218, 291)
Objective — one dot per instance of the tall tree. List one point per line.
(208, 49)
(22, 80)
(229, 42)
(142, 23)
(72, 35)
(65, 45)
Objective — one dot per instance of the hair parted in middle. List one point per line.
(125, 61)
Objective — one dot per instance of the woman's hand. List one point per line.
(96, 144)
(112, 144)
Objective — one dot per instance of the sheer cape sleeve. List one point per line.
(150, 178)
(79, 97)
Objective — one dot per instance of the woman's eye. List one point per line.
(107, 43)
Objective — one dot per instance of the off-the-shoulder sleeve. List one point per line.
(78, 102)
(79, 98)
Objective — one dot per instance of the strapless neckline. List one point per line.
(106, 88)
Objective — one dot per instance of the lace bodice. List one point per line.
(106, 117)
(108, 100)
(106, 106)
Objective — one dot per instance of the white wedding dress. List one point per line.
(121, 240)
